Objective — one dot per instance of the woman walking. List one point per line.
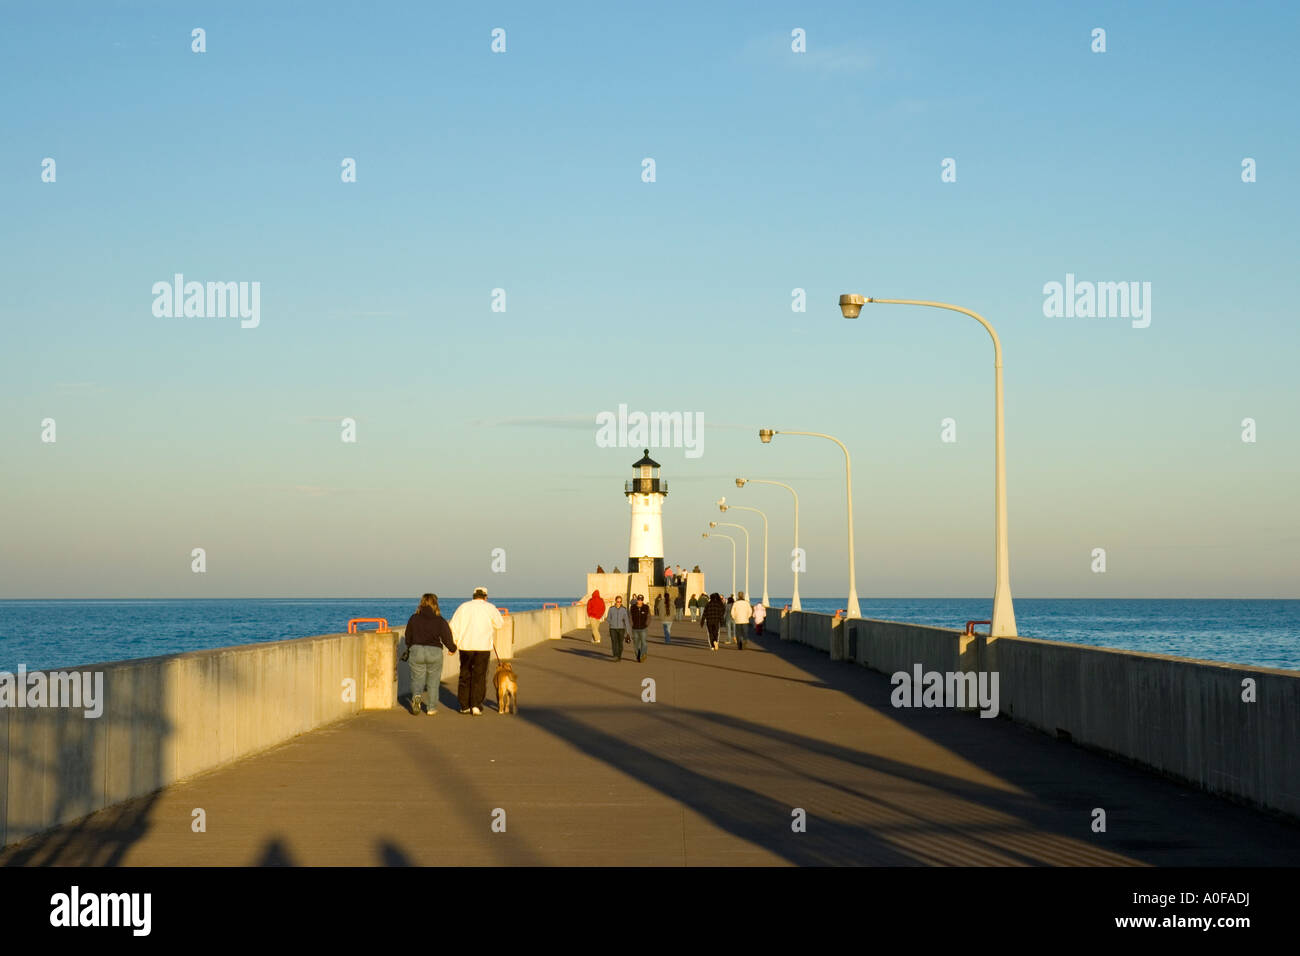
(427, 633)
(713, 615)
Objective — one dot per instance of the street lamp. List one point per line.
(794, 601)
(732, 524)
(733, 553)
(765, 435)
(722, 503)
(1004, 614)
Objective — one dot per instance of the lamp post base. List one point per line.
(853, 609)
(1004, 618)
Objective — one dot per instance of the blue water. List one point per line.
(48, 634)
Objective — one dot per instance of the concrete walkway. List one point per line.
(708, 774)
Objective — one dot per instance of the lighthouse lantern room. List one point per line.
(646, 493)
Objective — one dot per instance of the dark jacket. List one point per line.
(428, 628)
(714, 612)
(640, 615)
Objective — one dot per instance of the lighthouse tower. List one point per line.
(646, 494)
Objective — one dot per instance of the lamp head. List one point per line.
(713, 524)
(765, 435)
(851, 305)
(740, 482)
(722, 504)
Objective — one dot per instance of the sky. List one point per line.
(523, 171)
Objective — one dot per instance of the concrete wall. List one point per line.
(167, 718)
(1183, 718)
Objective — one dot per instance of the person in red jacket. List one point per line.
(595, 611)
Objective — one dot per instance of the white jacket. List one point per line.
(760, 613)
(475, 624)
(741, 612)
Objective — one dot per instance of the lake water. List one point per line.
(51, 634)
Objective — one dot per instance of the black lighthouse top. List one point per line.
(647, 480)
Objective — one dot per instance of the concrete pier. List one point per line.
(716, 770)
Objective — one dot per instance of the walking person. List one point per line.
(595, 611)
(618, 627)
(712, 616)
(658, 606)
(730, 621)
(427, 633)
(680, 605)
(693, 605)
(760, 615)
(639, 615)
(474, 627)
(741, 612)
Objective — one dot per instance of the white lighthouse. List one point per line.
(646, 494)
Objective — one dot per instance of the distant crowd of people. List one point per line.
(471, 633)
(629, 624)
(671, 576)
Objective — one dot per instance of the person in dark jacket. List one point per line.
(714, 613)
(427, 633)
(639, 614)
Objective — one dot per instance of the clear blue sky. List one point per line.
(522, 170)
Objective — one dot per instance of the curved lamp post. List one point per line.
(1004, 615)
(733, 554)
(765, 436)
(740, 483)
(722, 503)
(732, 524)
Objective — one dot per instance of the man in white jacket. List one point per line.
(474, 627)
(741, 612)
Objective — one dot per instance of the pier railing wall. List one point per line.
(1229, 729)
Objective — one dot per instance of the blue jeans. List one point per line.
(731, 628)
(426, 672)
(668, 632)
(638, 642)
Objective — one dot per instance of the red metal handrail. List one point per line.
(970, 627)
(381, 621)
(504, 610)
(545, 606)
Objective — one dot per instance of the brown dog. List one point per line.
(507, 689)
